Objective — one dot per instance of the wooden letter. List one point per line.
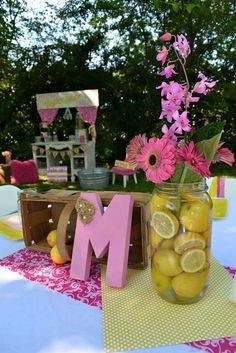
(108, 231)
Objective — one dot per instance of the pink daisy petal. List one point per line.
(224, 155)
(156, 159)
(189, 154)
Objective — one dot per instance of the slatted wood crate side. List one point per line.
(36, 216)
(41, 213)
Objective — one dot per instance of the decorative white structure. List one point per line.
(80, 151)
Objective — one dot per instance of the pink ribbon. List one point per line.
(48, 115)
(220, 187)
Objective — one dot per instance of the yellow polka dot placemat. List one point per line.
(134, 317)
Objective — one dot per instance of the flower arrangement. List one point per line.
(182, 154)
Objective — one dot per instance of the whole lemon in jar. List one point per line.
(167, 262)
(195, 216)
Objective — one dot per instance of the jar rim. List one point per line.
(194, 186)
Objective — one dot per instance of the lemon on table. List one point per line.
(193, 260)
(155, 239)
(161, 282)
(52, 238)
(56, 256)
(165, 223)
(188, 285)
(188, 240)
(167, 262)
(195, 216)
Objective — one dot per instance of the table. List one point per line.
(35, 319)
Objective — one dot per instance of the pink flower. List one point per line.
(182, 46)
(134, 148)
(175, 93)
(181, 122)
(162, 56)
(196, 159)
(165, 37)
(168, 71)
(223, 155)
(168, 109)
(190, 99)
(170, 134)
(164, 88)
(201, 86)
(157, 159)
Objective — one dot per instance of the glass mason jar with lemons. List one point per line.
(180, 237)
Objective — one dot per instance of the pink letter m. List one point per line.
(108, 231)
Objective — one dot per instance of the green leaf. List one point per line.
(178, 172)
(190, 177)
(209, 147)
(156, 3)
(208, 131)
(175, 7)
(190, 7)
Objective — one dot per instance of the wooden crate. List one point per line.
(42, 213)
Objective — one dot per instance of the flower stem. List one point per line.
(183, 173)
(181, 62)
(172, 61)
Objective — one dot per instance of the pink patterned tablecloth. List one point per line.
(38, 266)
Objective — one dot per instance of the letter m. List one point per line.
(108, 231)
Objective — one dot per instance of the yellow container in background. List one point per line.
(220, 207)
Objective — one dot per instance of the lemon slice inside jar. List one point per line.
(193, 260)
(165, 224)
(188, 240)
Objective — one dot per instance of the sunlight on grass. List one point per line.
(143, 185)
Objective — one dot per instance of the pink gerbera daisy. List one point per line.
(224, 155)
(196, 159)
(134, 148)
(157, 159)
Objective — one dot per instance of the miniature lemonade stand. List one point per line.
(47, 153)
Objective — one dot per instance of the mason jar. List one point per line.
(180, 238)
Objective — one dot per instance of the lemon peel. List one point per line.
(52, 238)
(195, 216)
(161, 282)
(165, 223)
(188, 240)
(188, 285)
(193, 260)
(167, 262)
(155, 239)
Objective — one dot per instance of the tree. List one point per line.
(111, 45)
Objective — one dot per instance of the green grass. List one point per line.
(142, 186)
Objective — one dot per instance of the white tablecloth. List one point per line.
(34, 319)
